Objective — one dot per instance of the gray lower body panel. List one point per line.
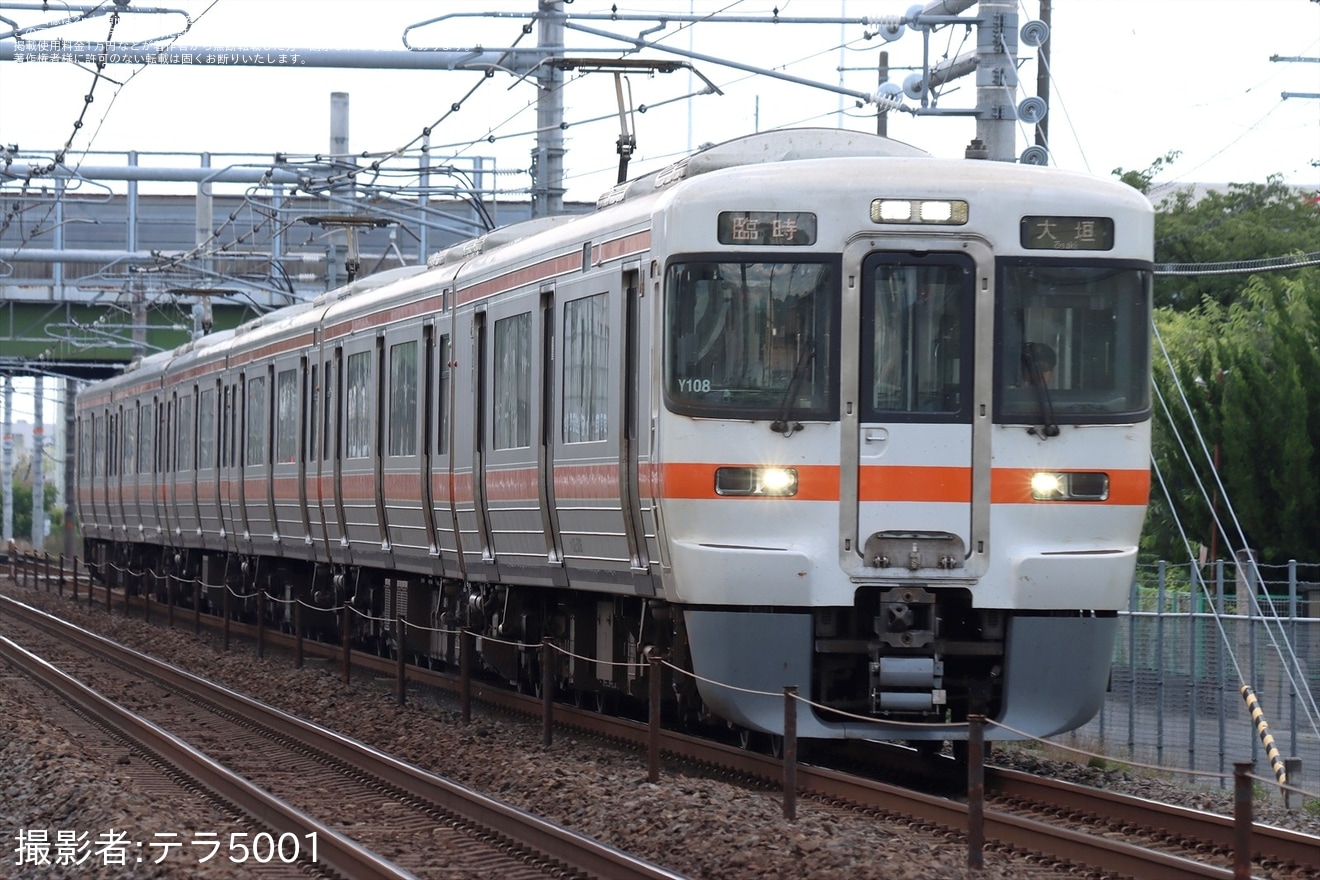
(1055, 673)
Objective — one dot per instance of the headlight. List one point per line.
(940, 212)
(766, 481)
(1069, 486)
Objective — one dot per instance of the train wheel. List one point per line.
(775, 745)
(745, 739)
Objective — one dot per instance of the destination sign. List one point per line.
(767, 228)
(1068, 233)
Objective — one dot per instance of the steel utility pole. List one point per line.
(7, 467)
(548, 154)
(1043, 78)
(38, 464)
(1310, 95)
(996, 76)
(70, 469)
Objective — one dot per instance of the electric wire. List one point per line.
(60, 158)
(1199, 577)
(1289, 661)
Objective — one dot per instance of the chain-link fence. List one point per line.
(1189, 641)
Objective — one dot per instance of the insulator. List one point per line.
(914, 86)
(1032, 110)
(1034, 33)
(1034, 155)
(890, 27)
(889, 96)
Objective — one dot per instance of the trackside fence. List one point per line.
(1188, 643)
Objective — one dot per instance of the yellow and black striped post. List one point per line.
(1266, 738)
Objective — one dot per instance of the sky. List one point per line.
(1131, 81)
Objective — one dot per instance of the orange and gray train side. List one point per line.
(766, 411)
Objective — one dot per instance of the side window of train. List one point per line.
(357, 393)
(112, 445)
(313, 389)
(403, 398)
(98, 446)
(328, 414)
(442, 403)
(286, 415)
(511, 405)
(147, 439)
(102, 443)
(206, 429)
(84, 449)
(256, 420)
(186, 448)
(130, 439)
(586, 357)
(226, 417)
(165, 427)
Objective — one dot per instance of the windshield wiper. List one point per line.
(781, 424)
(1050, 428)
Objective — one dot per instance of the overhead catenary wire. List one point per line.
(61, 157)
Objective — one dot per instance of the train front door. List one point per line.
(917, 467)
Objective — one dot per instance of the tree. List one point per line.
(1244, 222)
(1142, 181)
(1237, 361)
(1247, 377)
(23, 509)
(1238, 223)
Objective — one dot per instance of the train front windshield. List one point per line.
(1072, 343)
(752, 340)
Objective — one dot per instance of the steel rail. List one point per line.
(1268, 842)
(528, 831)
(1013, 831)
(334, 851)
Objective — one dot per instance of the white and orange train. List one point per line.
(807, 408)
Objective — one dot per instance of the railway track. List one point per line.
(1088, 829)
(1277, 852)
(284, 773)
(1056, 820)
(1071, 824)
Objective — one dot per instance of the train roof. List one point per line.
(785, 145)
(370, 282)
(494, 239)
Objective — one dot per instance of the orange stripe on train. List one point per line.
(896, 483)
